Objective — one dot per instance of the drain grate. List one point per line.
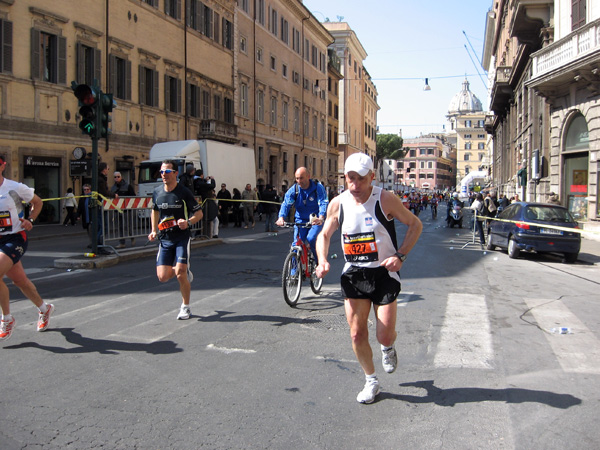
(333, 322)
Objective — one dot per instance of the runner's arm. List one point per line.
(154, 216)
(392, 207)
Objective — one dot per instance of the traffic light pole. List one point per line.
(94, 223)
(97, 211)
(95, 108)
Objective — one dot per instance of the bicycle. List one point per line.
(434, 211)
(299, 265)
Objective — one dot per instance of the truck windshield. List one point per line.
(149, 172)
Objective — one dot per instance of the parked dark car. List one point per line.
(530, 234)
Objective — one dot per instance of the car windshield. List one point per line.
(548, 214)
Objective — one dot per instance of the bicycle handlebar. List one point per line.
(296, 224)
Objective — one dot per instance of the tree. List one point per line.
(389, 146)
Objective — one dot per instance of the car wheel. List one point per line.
(571, 257)
(491, 247)
(513, 250)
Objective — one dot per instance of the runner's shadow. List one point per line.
(102, 346)
(450, 397)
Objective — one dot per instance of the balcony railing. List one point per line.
(217, 130)
(564, 51)
(503, 74)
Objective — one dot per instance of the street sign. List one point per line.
(80, 168)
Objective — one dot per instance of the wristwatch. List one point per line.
(401, 256)
(30, 219)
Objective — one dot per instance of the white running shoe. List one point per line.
(6, 328)
(389, 359)
(44, 318)
(184, 313)
(369, 392)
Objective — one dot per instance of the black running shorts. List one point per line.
(374, 284)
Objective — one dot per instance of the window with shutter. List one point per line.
(578, 14)
(6, 46)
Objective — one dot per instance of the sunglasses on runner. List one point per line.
(167, 171)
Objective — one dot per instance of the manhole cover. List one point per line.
(331, 322)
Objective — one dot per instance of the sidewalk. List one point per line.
(78, 241)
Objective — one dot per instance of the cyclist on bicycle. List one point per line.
(309, 197)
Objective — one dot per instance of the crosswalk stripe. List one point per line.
(465, 337)
(578, 352)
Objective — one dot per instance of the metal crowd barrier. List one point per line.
(129, 217)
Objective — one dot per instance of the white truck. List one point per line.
(231, 164)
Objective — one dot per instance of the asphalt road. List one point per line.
(479, 364)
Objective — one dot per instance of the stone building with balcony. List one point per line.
(281, 64)
(357, 95)
(151, 54)
(566, 73)
(519, 123)
(543, 58)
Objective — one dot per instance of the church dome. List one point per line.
(464, 101)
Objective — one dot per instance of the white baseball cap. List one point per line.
(359, 163)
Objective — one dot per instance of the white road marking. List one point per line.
(162, 326)
(465, 337)
(228, 351)
(404, 299)
(578, 352)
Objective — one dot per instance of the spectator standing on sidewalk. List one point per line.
(84, 212)
(70, 205)
(223, 195)
(106, 193)
(13, 245)
(270, 208)
(249, 205)
(124, 220)
(236, 208)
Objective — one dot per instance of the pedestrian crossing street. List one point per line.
(466, 339)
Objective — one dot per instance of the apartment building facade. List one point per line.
(427, 166)
(152, 55)
(282, 110)
(358, 94)
(543, 60)
(335, 180)
(215, 69)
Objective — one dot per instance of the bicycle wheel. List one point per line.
(315, 282)
(291, 278)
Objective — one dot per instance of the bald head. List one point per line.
(303, 177)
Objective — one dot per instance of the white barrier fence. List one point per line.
(129, 217)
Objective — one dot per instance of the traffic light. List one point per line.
(107, 104)
(88, 99)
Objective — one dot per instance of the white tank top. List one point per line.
(368, 237)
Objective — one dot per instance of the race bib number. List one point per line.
(360, 247)
(166, 223)
(5, 222)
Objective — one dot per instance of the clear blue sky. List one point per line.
(414, 40)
